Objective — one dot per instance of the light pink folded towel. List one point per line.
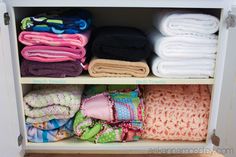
(53, 54)
(75, 41)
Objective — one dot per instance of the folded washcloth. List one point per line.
(57, 69)
(38, 135)
(47, 104)
(53, 54)
(75, 41)
(120, 43)
(68, 22)
(171, 23)
(184, 47)
(191, 68)
(176, 112)
(117, 68)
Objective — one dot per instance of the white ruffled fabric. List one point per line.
(171, 23)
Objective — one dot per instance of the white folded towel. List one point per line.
(184, 47)
(195, 68)
(172, 23)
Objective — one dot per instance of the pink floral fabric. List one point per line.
(176, 112)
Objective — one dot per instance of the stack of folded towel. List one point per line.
(49, 112)
(119, 52)
(55, 43)
(185, 45)
(114, 115)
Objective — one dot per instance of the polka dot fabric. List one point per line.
(176, 112)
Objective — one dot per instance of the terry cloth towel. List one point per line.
(117, 68)
(57, 69)
(120, 43)
(184, 47)
(75, 41)
(53, 54)
(67, 22)
(47, 104)
(191, 68)
(99, 131)
(176, 112)
(38, 135)
(171, 23)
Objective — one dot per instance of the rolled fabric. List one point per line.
(117, 68)
(120, 43)
(75, 41)
(52, 103)
(184, 47)
(176, 112)
(68, 22)
(171, 23)
(53, 54)
(57, 69)
(191, 68)
(43, 136)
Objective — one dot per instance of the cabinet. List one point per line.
(133, 13)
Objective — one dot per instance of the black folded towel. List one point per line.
(121, 43)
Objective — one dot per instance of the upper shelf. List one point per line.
(122, 3)
(112, 80)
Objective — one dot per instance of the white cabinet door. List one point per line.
(8, 106)
(226, 126)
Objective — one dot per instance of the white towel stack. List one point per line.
(185, 45)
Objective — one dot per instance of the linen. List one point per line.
(57, 69)
(52, 103)
(117, 68)
(176, 112)
(53, 54)
(171, 23)
(184, 46)
(191, 68)
(75, 41)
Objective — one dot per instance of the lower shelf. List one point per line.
(73, 145)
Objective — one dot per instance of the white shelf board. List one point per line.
(73, 145)
(121, 3)
(85, 79)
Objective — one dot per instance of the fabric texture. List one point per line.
(57, 69)
(176, 112)
(171, 23)
(52, 103)
(75, 41)
(38, 135)
(184, 46)
(49, 125)
(120, 43)
(117, 68)
(61, 21)
(53, 54)
(185, 68)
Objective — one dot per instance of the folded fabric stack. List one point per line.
(185, 45)
(55, 43)
(176, 112)
(119, 52)
(111, 116)
(49, 112)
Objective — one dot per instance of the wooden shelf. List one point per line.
(73, 145)
(112, 80)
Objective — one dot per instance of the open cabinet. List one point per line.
(136, 13)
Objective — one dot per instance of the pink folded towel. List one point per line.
(42, 38)
(53, 54)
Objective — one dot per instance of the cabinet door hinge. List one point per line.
(6, 19)
(215, 139)
(20, 140)
(230, 20)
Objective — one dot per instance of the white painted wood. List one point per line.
(8, 112)
(114, 80)
(123, 3)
